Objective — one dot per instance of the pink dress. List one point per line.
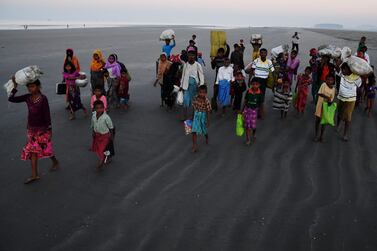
(102, 98)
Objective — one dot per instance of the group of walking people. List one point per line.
(182, 80)
(243, 87)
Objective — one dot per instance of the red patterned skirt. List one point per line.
(39, 143)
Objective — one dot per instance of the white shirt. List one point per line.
(225, 73)
(103, 124)
(262, 69)
(195, 71)
(296, 40)
(348, 87)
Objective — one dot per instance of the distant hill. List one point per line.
(329, 26)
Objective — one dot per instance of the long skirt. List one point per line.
(250, 117)
(224, 93)
(112, 92)
(100, 144)
(38, 142)
(190, 93)
(301, 99)
(74, 98)
(199, 124)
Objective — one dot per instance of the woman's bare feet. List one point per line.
(31, 180)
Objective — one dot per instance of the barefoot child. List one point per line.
(282, 97)
(224, 78)
(123, 94)
(39, 131)
(370, 93)
(103, 131)
(326, 93)
(73, 91)
(98, 95)
(202, 108)
(302, 90)
(253, 100)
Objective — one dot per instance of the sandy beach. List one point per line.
(282, 193)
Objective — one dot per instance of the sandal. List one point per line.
(31, 180)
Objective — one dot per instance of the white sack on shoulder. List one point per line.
(167, 34)
(280, 49)
(359, 66)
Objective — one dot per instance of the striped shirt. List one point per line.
(348, 87)
(282, 100)
(262, 69)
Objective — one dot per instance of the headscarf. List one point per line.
(97, 65)
(74, 59)
(115, 67)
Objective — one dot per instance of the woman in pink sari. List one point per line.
(292, 66)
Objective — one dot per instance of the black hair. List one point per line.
(226, 59)
(69, 52)
(263, 49)
(221, 50)
(97, 87)
(371, 79)
(36, 82)
(330, 76)
(345, 66)
(98, 102)
(236, 46)
(294, 52)
(114, 56)
(73, 67)
(308, 68)
(203, 88)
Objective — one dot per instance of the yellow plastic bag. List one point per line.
(218, 40)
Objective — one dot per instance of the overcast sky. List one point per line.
(216, 12)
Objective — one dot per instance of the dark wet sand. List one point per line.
(282, 193)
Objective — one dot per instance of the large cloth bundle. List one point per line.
(167, 34)
(280, 49)
(256, 39)
(329, 50)
(218, 40)
(358, 65)
(24, 76)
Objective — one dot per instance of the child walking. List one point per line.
(326, 93)
(253, 100)
(39, 130)
(282, 97)
(239, 86)
(113, 68)
(123, 90)
(202, 109)
(102, 131)
(73, 91)
(370, 94)
(302, 90)
(98, 95)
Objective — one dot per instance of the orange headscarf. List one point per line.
(74, 60)
(97, 65)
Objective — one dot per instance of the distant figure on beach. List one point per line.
(67, 26)
(295, 42)
(362, 43)
(84, 25)
(97, 71)
(39, 130)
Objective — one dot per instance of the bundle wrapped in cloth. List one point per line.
(358, 65)
(167, 34)
(218, 40)
(329, 50)
(280, 49)
(256, 39)
(23, 77)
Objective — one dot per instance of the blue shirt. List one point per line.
(167, 48)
